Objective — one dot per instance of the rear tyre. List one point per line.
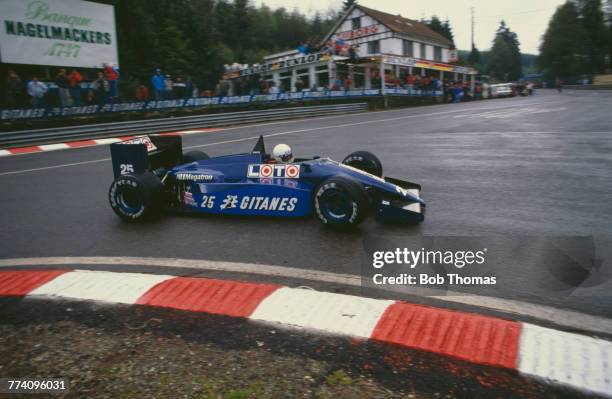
(340, 202)
(136, 197)
(193, 156)
(366, 161)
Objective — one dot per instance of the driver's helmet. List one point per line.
(282, 153)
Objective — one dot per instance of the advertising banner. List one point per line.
(72, 33)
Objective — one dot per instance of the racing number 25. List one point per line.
(126, 168)
(208, 201)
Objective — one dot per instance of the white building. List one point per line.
(385, 45)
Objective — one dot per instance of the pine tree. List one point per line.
(443, 28)
(505, 57)
(474, 57)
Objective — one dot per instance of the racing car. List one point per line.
(152, 174)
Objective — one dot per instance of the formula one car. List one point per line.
(152, 174)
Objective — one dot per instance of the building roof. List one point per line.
(399, 24)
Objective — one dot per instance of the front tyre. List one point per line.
(340, 202)
(136, 197)
(366, 161)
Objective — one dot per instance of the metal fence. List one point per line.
(41, 136)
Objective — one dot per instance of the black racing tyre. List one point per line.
(340, 202)
(193, 156)
(136, 197)
(366, 161)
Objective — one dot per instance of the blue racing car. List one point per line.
(152, 174)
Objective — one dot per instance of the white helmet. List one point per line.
(282, 153)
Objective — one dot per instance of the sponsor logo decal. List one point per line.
(280, 204)
(257, 171)
(229, 202)
(194, 176)
(142, 140)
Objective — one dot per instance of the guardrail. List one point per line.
(15, 114)
(42, 136)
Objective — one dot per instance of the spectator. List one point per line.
(303, 48)
(101, 88)
(61, 80)
(14, 89)
(410, 83)
(329, 48)
(347, 83)
(273, 88)
(466, 91)
(168, 88)
(142, 93)
(352, 52)
(458, 92)
(157, 81)
(445, 91)
(112, 75)
(178, 88)
(37, 90)
(478, 91)
(74, 82)
(190, 89)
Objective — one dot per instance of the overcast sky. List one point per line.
(528, 18)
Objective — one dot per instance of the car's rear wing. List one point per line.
(144, 153)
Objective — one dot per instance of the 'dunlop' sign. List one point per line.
(57, 32)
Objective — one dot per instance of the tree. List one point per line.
(505, 57)
(561, 48)
(443, 28)
(594, 40)
(196, 38)
(474, 57)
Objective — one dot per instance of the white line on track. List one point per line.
(560, 317)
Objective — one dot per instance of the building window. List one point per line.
(423, 51)
(356, 23)
(374, 47)
(437, 53)
(408, 48)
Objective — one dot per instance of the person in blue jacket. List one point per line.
(157, 81)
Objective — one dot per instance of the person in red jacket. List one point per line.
(142, 93)
(347, 83)
(74, 84)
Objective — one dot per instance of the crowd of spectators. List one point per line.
(64, 89)
(331, 47)
(76, 88)
(165, 88)
(73, 89)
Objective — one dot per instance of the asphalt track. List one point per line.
(521, 168)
